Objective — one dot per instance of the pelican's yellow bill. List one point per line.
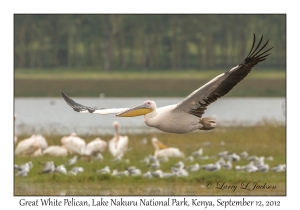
(135, 112)
(161, 145)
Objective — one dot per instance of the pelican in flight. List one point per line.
(186, 116)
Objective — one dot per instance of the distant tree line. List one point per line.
(144, 42)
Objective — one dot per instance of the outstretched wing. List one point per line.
(197, 101)
(85, 109)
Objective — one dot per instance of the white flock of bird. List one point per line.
(32, 146)
(256, 164)
(224, 162)
(49, 167)
(36, 145)
(162, 155)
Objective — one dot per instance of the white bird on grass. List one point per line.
(120, 173)
(182, 172)
(187, 115)
(189, 158)
(244, 154)
(252, 158)
(232, 157)
(74, 144)
(147, 175)
(22, 173)
(32, 146)
(212, 167)
(72, 161)
(41, 141)
(222, 154)
(155, 165)
(167, 175)
(263, 168)
(95, 146)
(225, 164)
(260, 162)
(146, 160)
(105, 170)
(61, 169)
(193, 168)
(198, 153)
(157, 173)
(56, 151)
(49, 167)
(179, 165)
(162, 150)
(118, 145)
(76, 170)
(248, 168)
(133, 171)
(24, 169)
(279, 168)
(152, 158)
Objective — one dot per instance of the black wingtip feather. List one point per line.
(76, 106)
(261, 50)
(262, 54)
(252, 45)
(257, 47)
(68, 99)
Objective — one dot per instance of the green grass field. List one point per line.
(268, 83)
(266, 140)
(95, 74)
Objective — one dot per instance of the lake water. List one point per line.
(49, 116)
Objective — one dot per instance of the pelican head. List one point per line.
(116, 125)
(73, 134)
(144, 108)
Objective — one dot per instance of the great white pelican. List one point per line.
(56, 151)
(162, 150)
(74, 144)
(32, 146)
(186, 116)
(118, 145)
(95, 147)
